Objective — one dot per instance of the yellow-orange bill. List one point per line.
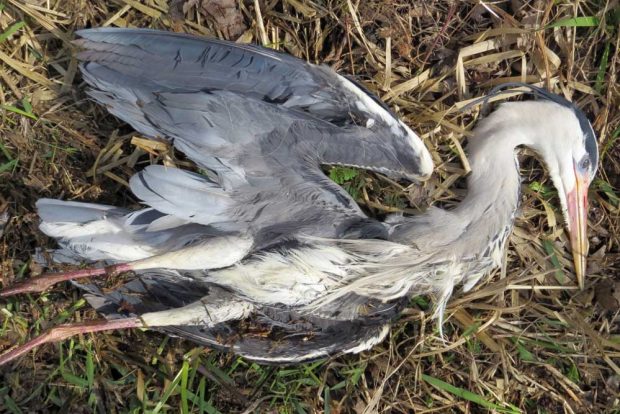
(577, 203)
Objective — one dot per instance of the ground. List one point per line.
(524, 340)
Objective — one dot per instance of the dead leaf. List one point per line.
(224, 13)
(607, 294)
(175, 11)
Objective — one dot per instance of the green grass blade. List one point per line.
(18, 111)
(11, 30)
(524, 353)
(201, 395)
(10, 405)
(26, 104)
(184, 377)
(602, 69)
(610, 142)
(298, 407)
(471, 329)
(75, 380)
(558, 274)
(327, 408)
(168, 392)
(555, 346)
(606, 188)
(582, 21)
(224, 377)
(8, 166)
(5, 151)
(90, 370)
(340, 175)
(573, 373)
(465, 394)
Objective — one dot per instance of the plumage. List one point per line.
(264, 255)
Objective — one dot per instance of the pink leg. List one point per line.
(62, 332)
(41, 283)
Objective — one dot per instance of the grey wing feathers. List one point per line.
(183, 63)
(187, 63)
(291, 337)
(100, 232)
(142, 62)
(186, 195)
(261, 120)
(63, 211)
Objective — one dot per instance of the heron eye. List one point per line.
(584, 164)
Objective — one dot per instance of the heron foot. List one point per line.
(43, 282)
(62, 332)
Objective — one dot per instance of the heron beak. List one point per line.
(577, 203)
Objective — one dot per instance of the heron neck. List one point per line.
(493, 184)
(486, 212)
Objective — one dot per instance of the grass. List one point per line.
(523, 340)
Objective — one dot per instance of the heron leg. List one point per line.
(46, 280)
(62, 332)
(208, 311)
(205, 312)
(214, 253)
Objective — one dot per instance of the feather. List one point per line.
(76, 212)
(185, 195)
(99, 232)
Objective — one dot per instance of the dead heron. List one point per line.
(262, 254)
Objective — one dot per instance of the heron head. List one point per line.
(564, 138)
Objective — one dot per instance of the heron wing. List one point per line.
(185, 63)
(261, 120)
(272, 336)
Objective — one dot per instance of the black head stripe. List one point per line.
(589, 137)
(533, 90)
(586, 127)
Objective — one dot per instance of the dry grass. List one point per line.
(523, 341)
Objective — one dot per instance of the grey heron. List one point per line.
(263, 241)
